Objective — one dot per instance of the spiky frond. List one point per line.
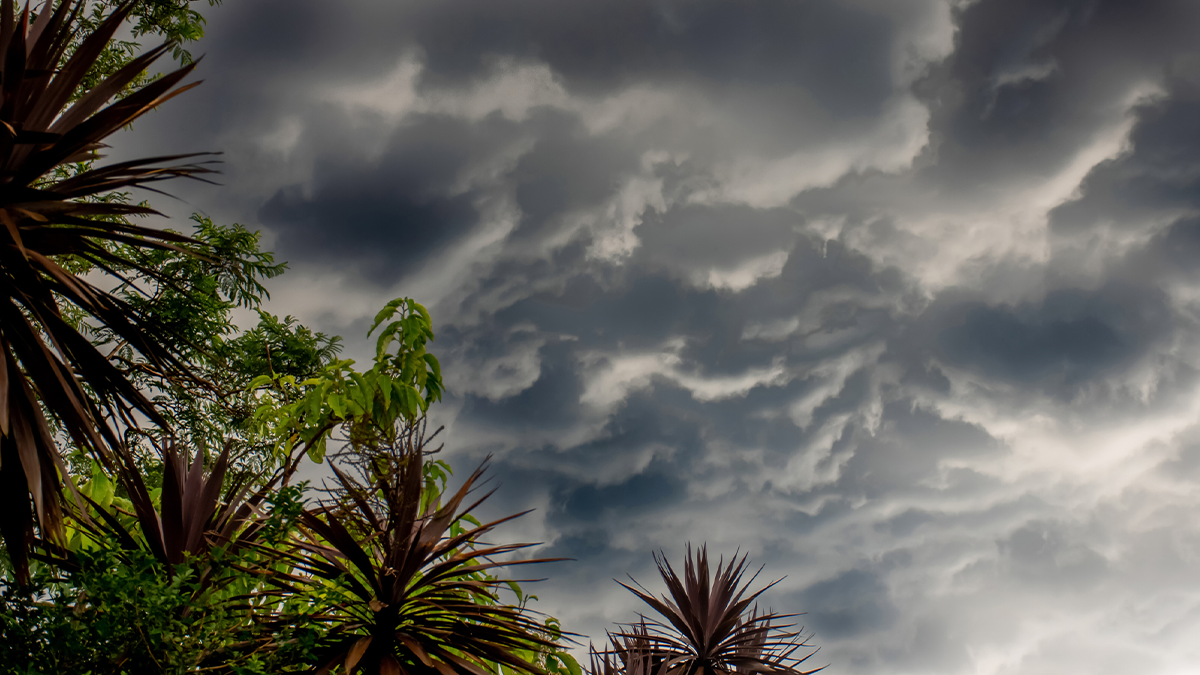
(194, 512)
(416, 591)
(49, 216)
(710, 626)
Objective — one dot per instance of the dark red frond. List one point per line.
(50, 209)
(419, 594)
(709, 626)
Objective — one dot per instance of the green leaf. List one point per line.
(337, 404)
(260, 381)
(424, 315)
(317, 452)
(385, 390)
(572, 664)
(413, 405)
(433, 365)
(364, 388)
(516, 588)
(101, 489)
(358, 395)
(385, 340)
(386, 313)
(314, 405)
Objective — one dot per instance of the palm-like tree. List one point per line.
(711, 627)
(406, 580)
(55, 226)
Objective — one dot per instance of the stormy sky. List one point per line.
(899, 297)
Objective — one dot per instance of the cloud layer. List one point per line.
(900, 297)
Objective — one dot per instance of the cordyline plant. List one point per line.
(198, 548)
(711, 627)
(193, 513)
(57, 222)
(406, 580)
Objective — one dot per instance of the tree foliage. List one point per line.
(376, 407)
(194, 298)
(245, 574)
(166, 559)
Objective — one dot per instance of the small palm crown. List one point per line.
(711, 627)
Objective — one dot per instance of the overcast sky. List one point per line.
(900, 297)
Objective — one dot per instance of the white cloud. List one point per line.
(610, 378)
(890, 145)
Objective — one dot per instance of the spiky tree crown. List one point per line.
(710, 626)
(53, 210)
(415, 586)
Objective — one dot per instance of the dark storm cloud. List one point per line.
(839, 54)
(844, 607)
(705, 237)
(1065, 339)
(926, 377)
(856, 303)
(854, 603)
(824, 57)
(1159, 174)
(905, 459)
(1174, 250)
(551, 401)
(1043, 552)
(645, 310)
(640, 310)
(641, 491)
(1031, 81)
(565, 170)
(665, 415)
(763, 59)
(662, 416)
(388, 214)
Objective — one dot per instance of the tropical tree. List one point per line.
(406, 585)
(710, 626)
(403, 582)
(114, 602)
(157, 568)
(193, 298)
(61, 220)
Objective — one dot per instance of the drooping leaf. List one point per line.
(51, 212)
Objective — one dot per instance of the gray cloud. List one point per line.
(1030, 82)
(1063, 341)
(1158, 175)
(854, 603)
(402, 207)
(898, 297)
(836, 53)
(1042, 552)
